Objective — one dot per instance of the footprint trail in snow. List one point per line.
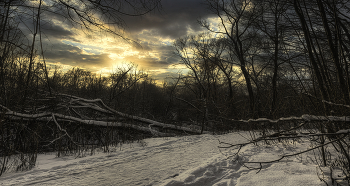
(175, 161)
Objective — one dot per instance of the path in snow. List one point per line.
(133, 165)
(219, 171)
(175, 161)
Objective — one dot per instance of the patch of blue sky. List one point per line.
(88, 48)
(168, 42)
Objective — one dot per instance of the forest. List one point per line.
(271, 66)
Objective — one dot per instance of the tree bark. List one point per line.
(334, 51)
(314, 64)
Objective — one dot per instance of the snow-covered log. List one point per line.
(102, 107)
(75, 104)
(304, 117)
(48, 116)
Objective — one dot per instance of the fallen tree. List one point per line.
(74, 104)
(68, 124)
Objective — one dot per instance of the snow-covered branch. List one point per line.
(78, 107)
(305, 117)
(47, 116)
(328, 102)
(105, 109)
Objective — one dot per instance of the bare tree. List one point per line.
(236, 20)
(273, 25)
(191, 57)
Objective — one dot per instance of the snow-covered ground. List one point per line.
(173, 161)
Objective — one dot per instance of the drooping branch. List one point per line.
(105, 109)
(293, 154)
(78, 106)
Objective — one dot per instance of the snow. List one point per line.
(305, 117)
(174, 161)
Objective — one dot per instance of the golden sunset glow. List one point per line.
(148, 44)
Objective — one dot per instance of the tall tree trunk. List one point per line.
(334, 51)
(4, 23)
(239, 51)
(250, 89)
(314, 64)
(275, 68)
(31, 57)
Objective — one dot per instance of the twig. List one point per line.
(302, 152)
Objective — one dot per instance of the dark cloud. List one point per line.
(72, 55)
(142, 46)
(174, 20)
(172, 59)
(52, 30)
(148, 63)
(166, 58)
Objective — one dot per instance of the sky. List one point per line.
(70, 46)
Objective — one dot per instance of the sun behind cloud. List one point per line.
(148, 44)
